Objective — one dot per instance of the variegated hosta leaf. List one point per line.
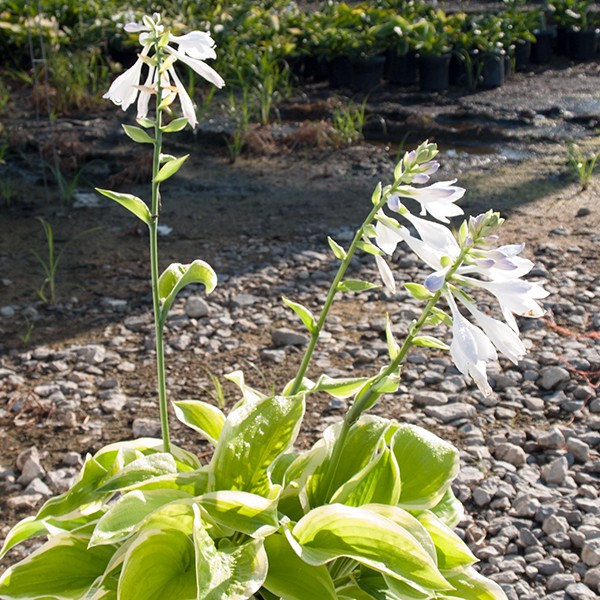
(234, 572)
(427, 464)
(452, 553)
(160, 563)
(449, 509)
(384, 586)
(362, 442)
(470, 584)
(63, 568)
(129, 511)
(291, 578)
(202, 417)
(253, 436)
(331, 531)
(378, 482)
(240, 511)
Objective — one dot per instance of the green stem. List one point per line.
(314, 337)
(368, 398)
(153, 229)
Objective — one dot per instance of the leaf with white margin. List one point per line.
(449, 509)
(159, 564)
(428, 465)
(334, 530)
(304, 313)
(234, 573)
(378, 482)
(176, 276)
(64, 568)
(142, 469)
(469, 584)
(251, 514)
(253, 436)
(132, 203)
(342, 388)
(202, 417)
(129, 511)
(452, 553)
(383, 586)
(291, 578)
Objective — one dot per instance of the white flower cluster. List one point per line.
(468, 260)
(192, 49)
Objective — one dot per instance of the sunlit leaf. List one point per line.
(427, 464)
(428, 341)
(335, 530)
(147, 467)
(251, 514)
(355, 285)
(337, 250)
(304, 313)
(449, 509)
(470, 584)
(132, 508)
(252, 437)
(132, 203)
(291, 578)
(159, 564)
(202, 417)
(63, 568)
(138, 135)
(344, 387)
(234, 572)
(175, 125)
(378, 482)
(418, 291)
(170, 168)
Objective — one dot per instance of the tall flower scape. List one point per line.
(368, 512)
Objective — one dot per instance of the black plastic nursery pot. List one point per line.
(492, 71)
(434, 72)
(522, 55)
(542, 49)
(340, 71)
(401, 69)
(582, 44)
(367, 73)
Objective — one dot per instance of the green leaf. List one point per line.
(175, 125)
(337, 250)
(159, 564)
(470, 584)
(427, 464)
(378, 482)
(202, 417)
(132, 203)
(437, 316)
(138, 135)
(251, 514)
(305, 315)
(129, 511)
(418, 291)
(355, 285)
(145, 122)
(176, 276)
(23, 530)
(335, 530)
(169, 169)
(62, 568)
(376, 195)
(392, 344)
(452, 553)
(252, 437)
(344, 387)
(449, 509)
(360, 448)
(83, 497)
(291, 578)
(429, 342)
(191, 482)
(384, 587)
(370, 248)
(234, 573)
(147, 467)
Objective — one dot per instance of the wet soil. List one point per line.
(507, 146)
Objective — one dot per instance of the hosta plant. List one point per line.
(367, 513)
